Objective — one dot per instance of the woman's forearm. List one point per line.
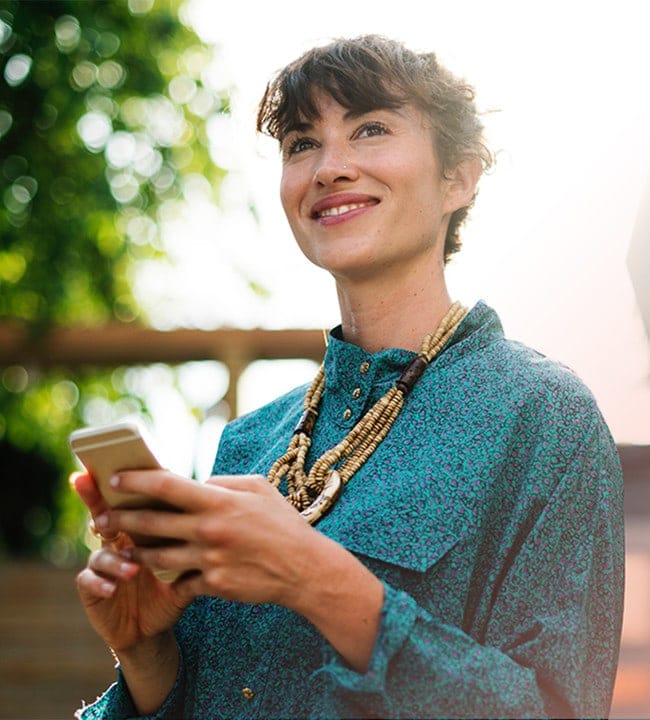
(342, 599)
(150, 669)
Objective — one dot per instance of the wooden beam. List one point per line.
(131, 344)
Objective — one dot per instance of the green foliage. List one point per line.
(103, 115)
(39, 514)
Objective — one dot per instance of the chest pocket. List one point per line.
(412, 523)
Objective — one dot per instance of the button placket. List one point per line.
(357, 392)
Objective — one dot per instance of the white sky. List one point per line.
(548, 239)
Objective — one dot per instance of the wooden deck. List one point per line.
(50, 659)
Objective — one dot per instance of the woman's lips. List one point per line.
(336, 207)
(341, 209)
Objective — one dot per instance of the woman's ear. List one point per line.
(461, 183)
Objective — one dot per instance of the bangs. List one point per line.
(359, 87)
(300, 103)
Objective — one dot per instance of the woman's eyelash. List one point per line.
(298, 145)
(369, 129)
(373, 128)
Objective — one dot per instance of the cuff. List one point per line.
(116, 702)
(398, 616)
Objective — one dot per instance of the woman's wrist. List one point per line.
(148, 646)
(156, 647)
(342, 599)
(149, 669)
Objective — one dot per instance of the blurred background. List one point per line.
(146, 268)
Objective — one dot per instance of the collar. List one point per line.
(354, 378)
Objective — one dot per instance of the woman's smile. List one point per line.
(341, 207)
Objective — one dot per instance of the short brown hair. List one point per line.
(371, 72)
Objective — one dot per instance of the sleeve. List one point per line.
(549, 646)
(116, 702)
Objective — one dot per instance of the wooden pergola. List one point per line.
(118, 344)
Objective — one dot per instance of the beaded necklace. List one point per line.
(314, 493)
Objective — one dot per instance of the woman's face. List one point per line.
(364, 194)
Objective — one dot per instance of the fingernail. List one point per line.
(101, 521)
(114, 481)
(127, 553)
(107, 588)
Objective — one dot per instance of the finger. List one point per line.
(104, 538)
(164, 486)
(112, 565)
(180, 558)
(244, 483)
(257, 484)
(87, 489)
(142, 524)
(93, 586)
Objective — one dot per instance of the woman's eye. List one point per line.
(299, 145)
(371, 129)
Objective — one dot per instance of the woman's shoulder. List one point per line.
(545, 398)
(532, 372)
(521, 359)
(509, 372)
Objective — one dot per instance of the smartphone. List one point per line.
(104, 451)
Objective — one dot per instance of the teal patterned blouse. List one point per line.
(492, 513)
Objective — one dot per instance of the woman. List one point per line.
(452, 545)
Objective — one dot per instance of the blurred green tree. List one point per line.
(103, 114)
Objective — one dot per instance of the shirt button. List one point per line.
(347, 414)
(364, 367)
(356, 393)
(247, 693)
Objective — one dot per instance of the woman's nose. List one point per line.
(334, 166)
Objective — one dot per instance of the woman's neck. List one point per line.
(378, 314)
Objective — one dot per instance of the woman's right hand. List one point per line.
(125, 603)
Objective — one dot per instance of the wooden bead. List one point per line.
(412, 374)
(306, 423)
